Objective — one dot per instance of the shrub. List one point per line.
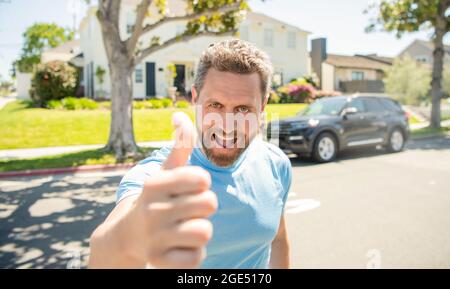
(53, 81)
(274, 97)
(408, 81)
(71, 103)
(156, 103)
(139, 104)
(182, 104)
(167, 102)
(86, 103)
(54, 104)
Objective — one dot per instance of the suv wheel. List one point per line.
(325, 148)
(396, 141)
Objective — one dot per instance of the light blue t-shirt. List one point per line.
(251, 195)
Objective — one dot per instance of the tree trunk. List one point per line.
(121, 65)
(121, 135)
(438, 59)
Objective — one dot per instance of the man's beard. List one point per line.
(233, 150)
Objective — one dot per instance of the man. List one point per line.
(168, 205)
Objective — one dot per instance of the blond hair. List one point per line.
(236, 56)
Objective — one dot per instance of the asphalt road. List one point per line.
(366, 210)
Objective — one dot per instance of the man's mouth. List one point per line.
(224, 142)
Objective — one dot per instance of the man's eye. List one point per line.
(216, 105)
(242, 109)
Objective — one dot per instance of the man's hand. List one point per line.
(166, 226)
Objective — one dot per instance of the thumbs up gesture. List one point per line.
(168, 222)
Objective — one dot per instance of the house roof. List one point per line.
(358, 61)
(68, 47)
(261, 17)
(428, 44)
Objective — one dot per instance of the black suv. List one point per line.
(333, 124)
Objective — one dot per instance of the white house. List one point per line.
(285, 44)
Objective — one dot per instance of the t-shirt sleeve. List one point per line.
(286, 178)
(133, 181)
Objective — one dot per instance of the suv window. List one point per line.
(358, 104)
(391, 105)
(374, 105)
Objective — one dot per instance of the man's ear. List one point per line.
(194, 95)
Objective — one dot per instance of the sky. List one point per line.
(341, 22)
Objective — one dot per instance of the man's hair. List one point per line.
(236, 56)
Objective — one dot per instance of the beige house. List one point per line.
(348, 74)
(423, 51)
(285, 44)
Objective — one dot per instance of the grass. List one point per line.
(24, 127)
(91, 157)
(428, 131)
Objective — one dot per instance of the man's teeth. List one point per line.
(225, 142)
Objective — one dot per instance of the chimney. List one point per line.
(318, 55)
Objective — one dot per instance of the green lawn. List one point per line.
(430, 131)
(91, 157)
(23, 127)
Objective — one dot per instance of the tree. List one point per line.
(39, 37)
(414, 15)
(203, 17)
(408, 81)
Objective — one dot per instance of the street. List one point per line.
(368, 209)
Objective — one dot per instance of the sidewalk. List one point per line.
(48, 151)
(5, 100)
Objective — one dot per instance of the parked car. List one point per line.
(333, 124)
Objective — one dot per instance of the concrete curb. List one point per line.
(79, 169)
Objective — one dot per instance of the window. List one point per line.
(131, 19)
(244, 33)
(291, 39)
(357, 75)
(373, 105)
(358, 104)
(277, 78)
(138, 77)
(268, 37)
(391, 105)
(422, 58)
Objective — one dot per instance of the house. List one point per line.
(67, 52)
(286, 45)
(348, 74)
(422, 51)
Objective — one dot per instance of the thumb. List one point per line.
(184, 141)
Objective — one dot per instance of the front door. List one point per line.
(180, 79)
(150, 79)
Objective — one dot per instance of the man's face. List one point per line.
(228, 112)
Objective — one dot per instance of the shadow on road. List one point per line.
(49, 223)
(434, 143)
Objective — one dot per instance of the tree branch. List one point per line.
(191, 16)
(182, 38)
(142, 9)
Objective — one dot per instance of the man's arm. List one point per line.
(279, 258)
(107, 244)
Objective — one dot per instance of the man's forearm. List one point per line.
(279, 257)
